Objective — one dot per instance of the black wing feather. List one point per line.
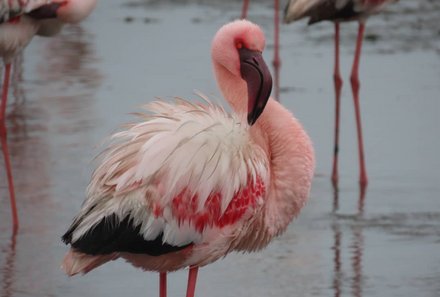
(113, 235)
(328, 11)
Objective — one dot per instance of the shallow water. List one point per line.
(71, 91)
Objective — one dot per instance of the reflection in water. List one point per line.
(17, 80)
(18, 110)
(70, 59)
(8, 172)
(8, 269)
(45, 132)
(337, 271)
(356, 248)
(25, 143)
(14, 84)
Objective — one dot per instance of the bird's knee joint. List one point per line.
(354, 80)
(338, 80)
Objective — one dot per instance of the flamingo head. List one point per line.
(66, 11)
(238, 47)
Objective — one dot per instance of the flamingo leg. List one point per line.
(354, 79)
(338, 86)
(192, 277)
(361, 202)
(244, 9)
(276, 59)
(5, 146)
(163, 284)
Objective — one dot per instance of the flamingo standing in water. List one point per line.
(20, 20)
(340, 11)
(191, 183)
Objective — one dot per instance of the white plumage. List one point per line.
(194, 148)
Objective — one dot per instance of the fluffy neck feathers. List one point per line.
(288, 148)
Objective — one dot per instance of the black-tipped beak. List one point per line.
(48, 11)
(259, 82)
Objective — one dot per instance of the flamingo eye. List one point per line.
(239, 44)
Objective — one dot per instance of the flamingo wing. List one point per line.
(166, 182)
(298, 9)
(319, 10)
(333, 10)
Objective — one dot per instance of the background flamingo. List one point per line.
(276, 58)
(340, 11)
(191, 183)
(20, 20)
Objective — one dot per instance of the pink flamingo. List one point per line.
(340, 11)
(20, 20)
(276, 58)
(191, 183)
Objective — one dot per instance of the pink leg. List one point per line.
(354, 78)
(192, 277)
(276, 59)
(361, 202)
(5, 146)
(338, 86)
(163, 284)
(335, 197)
(244, 9)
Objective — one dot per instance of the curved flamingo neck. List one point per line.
(289, 152)
(291, 164)
(233, 88)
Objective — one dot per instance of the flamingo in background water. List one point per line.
(20, 20)
(276, 58)
(191, 183)
(340, 11)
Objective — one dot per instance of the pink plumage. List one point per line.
(189, 182)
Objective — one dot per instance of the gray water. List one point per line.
(71, 91)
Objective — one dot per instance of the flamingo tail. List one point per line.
(76, 262)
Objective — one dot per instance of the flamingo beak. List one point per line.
(255, 72)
